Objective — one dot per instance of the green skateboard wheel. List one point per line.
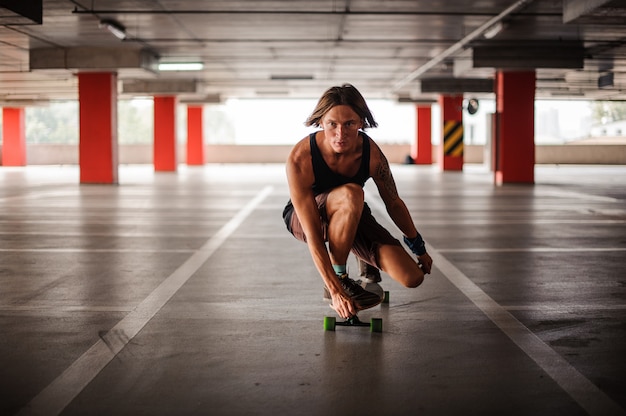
(329, 323)
(376, 325)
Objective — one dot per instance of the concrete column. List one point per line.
(451, 149)
(515, 141)
(195, 135)
(13, 137)
(422, 150)
(165, 134)
(98, 148)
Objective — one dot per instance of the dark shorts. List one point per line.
(370, 235)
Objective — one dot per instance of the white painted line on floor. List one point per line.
(54, 308)
(95, 250)
(58, 394)
(576, 195)
(583, 391)
(520, 221)
(118, 221)
(139, 234)
(533, 250)
(565, 309)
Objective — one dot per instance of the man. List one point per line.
(326, 173)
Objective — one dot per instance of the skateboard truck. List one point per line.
(375, 324)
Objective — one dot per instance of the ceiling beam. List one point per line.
(25, 12)
(311, 12)
(560, 54)
(206, 99)
(456, 85)
(160, 86)
(92, 58)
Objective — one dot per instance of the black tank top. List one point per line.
(326, 179)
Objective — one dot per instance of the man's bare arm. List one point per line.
(396, 207)
(300, 178)
(389, 193)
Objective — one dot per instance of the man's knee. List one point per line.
(401, 266)
(350, 191)
(414, 280)
(412, 277)
(346, 197)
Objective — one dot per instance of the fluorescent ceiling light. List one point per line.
(291, 77)
(116, 28)
(181, 66)
(493, 30)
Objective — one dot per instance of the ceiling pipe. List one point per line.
(280, 12)
(460, 44)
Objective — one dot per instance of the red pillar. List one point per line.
(97, 97)
(451, 149)
(422, 151)
(13, 137)
(165, 134)
(195, 139)
(515, 105)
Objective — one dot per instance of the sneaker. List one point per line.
(369, 273)
(362, 298)
(371, 287)
(370, 277)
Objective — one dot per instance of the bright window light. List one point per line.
(181, 66)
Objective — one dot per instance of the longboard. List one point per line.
(375, 324)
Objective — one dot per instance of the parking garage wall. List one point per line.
(60, 154)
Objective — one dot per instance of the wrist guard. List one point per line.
(416, 245)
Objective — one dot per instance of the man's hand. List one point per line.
(425, 262)
(343, 305)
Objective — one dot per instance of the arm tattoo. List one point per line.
(384, 173)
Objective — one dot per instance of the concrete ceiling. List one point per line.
(398, 49)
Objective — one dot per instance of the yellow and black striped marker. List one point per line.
(453, 138)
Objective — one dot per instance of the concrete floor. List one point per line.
(182, 294)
